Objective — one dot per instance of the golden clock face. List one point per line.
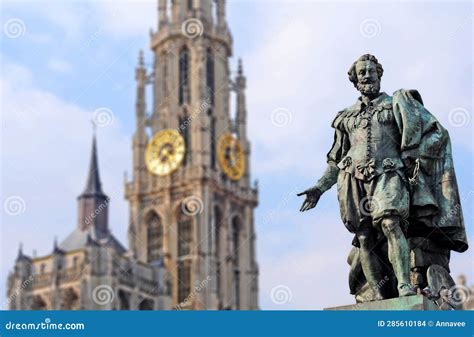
(165, 152)
(231, 157)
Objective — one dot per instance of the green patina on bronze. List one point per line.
(397, 190)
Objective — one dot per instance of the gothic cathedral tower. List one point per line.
(191, 202)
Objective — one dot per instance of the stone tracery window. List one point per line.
(124, 300)
(217, 237)
(210, 75)
(236, 232)
(185, 240)
(154, 237)
(184, 71)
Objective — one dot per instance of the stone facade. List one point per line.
(191, 233)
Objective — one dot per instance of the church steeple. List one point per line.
(93, 203)
(93, 184)
(191, 88)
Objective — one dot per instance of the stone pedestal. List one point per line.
(417, 302)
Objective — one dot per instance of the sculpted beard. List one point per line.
(369, 88)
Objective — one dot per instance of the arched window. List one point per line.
(75, 262)
(185, 126)
(154, 237)
(218, 239)
(184, 282)
(210, 75)
(124, 300)
(164, 74)
(190, 4)
(185, 239)
(236, 228)
(212, 140)
(184, 235)
(184, 70)
(146, 304)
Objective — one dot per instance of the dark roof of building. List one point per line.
(79, 239)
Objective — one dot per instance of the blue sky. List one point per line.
(72, 58)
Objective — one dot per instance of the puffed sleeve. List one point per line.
(339, 149)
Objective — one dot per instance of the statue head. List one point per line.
(365, 74)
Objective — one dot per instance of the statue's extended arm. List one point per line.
(329, 177)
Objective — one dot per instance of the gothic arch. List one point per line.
(124, 300)
(184, 94)
(236, 234)
(210, 75)
(185, 231)
(164, 73)
(146, 304)
(37, 302)
(185, 121)
(185, 235)
(219, 237)
(212, 138)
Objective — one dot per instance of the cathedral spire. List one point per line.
(93, 203)
(20, 252)
(93, 184)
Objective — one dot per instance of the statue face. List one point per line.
(368, 82)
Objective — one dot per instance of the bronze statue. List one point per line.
(397, 190)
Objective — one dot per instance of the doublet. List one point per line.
(373, 137)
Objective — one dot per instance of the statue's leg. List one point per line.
(398, 253)
(371, 265)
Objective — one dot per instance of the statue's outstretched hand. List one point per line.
(312, 197)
